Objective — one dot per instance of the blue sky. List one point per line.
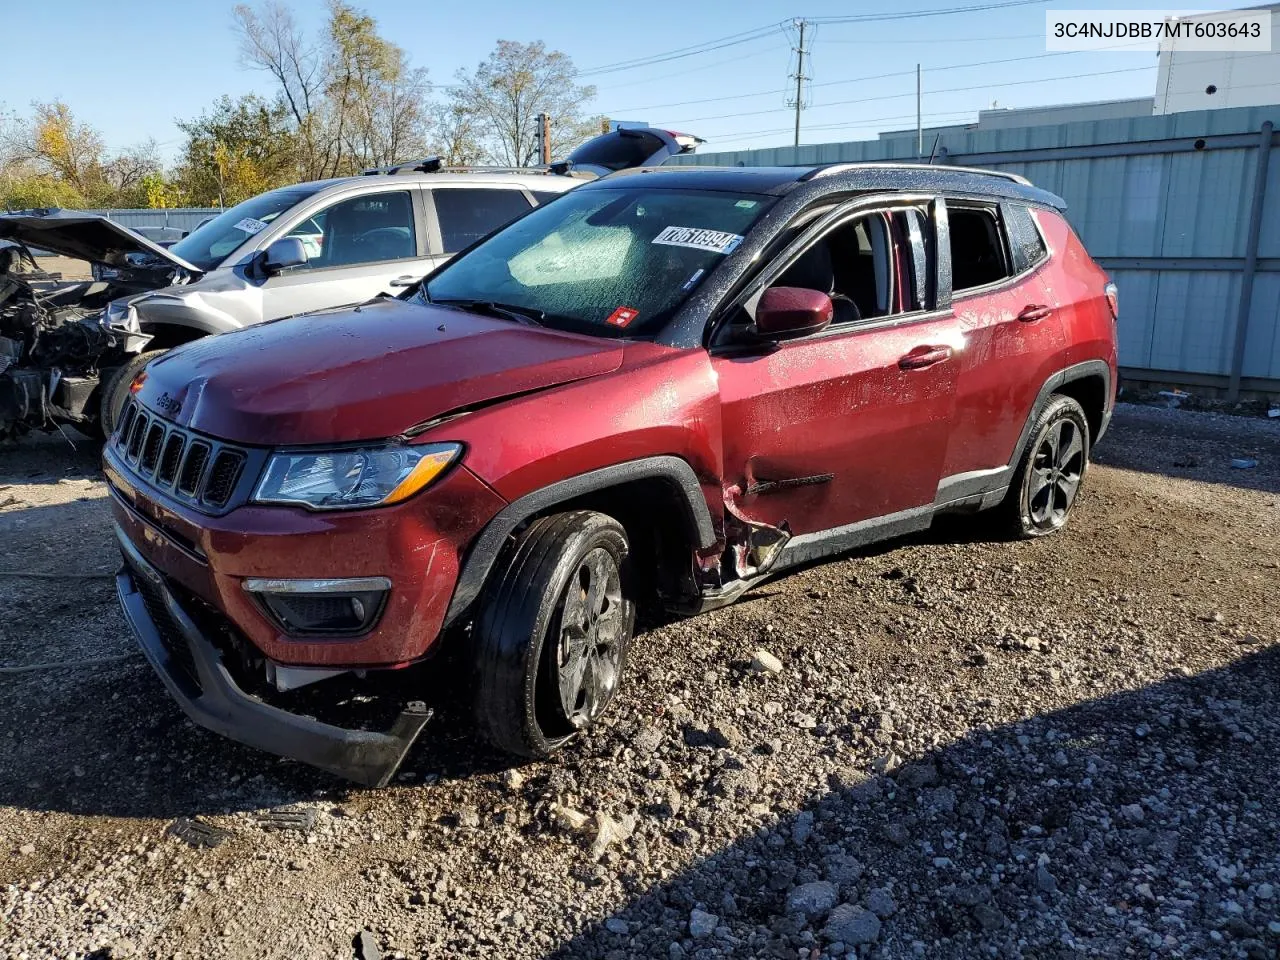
(135, 70)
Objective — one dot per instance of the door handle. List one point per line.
(924, 356)
(1034, 312)
(404, 281)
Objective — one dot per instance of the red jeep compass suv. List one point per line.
(666, 383)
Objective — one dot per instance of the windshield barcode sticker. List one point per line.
(251, 226)
(717, 241)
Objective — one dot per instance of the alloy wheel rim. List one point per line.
(1056, 472)
(589, 648)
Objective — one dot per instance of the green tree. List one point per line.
(511, 87)
(236, 150)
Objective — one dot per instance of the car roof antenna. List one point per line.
(934, 152)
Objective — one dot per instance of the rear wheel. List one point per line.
(1051, 472)
(552, 633)
(116, 390)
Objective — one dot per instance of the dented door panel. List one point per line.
(835, 429)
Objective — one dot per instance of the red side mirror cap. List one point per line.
(787, 312)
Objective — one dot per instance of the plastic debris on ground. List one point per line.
(1244, 463)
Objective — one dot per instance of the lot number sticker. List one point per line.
(717, 241)
(251, 226)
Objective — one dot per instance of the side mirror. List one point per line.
(282, 254)
(788, 312)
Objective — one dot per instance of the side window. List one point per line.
(544, 196)
(465, 214)
(859, 265)
(977, 248)
(364, 229)
(1025, 241)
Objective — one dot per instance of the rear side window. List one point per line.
(544, 196)
(1025, 241)
(465, 215)
(977, 247)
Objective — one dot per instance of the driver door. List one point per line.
(358, 247)
(848, 425)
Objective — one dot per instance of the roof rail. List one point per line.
(425, 165)
(436, 165)
(832, 168)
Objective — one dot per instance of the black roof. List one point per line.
(839, 178)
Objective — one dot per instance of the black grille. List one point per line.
(171, 457)
(137, 430)
(222, 478)
(193, 468)
(201, 471)
(130, 411)
(151, 446)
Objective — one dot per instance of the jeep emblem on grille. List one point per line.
(169, 405)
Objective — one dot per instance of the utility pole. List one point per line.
(919, 126)
(544, 139)
(799, 76)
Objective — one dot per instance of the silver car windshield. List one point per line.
(209, 245)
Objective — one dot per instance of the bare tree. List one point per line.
(271, 40)
(508, 90)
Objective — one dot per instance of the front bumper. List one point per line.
(193, 671)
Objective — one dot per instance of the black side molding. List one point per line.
(484, 552)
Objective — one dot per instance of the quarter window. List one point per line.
(1025, 240)
(977, 248)
(466, 215)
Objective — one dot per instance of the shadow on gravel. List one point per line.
(1194, 446)
(1133, 824)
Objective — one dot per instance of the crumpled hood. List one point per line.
(87, 237)
(361, 374)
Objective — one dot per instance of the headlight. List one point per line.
(356, 477)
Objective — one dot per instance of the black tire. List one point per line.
(1047, 482)
(116, 390)
(524, 647)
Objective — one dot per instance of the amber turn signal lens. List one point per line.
(427, 469)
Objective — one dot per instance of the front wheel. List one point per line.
(116, 390)
(552, 633)
(1050, 473)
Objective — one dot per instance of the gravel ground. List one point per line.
(943, 747)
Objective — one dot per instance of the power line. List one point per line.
(899, 96)
(920, 14)
(748, 35)
(706, 47)
(682, 73)
(863, 79)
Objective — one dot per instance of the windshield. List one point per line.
(609, 261)
(208, 246)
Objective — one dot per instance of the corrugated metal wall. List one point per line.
(1162, 202)
(181, 218)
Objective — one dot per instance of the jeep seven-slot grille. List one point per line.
(173, 459)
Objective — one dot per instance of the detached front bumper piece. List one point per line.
(192, 670)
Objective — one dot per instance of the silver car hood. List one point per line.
(87, 237)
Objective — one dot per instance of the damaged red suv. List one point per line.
(667, 384)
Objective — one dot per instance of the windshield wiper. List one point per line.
(508, 311)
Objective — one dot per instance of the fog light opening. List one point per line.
(309, 608)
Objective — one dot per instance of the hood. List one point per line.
(87, 237)
(362, 374)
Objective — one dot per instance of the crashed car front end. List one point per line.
(59, 340)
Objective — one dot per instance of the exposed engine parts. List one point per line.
(52, 347)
